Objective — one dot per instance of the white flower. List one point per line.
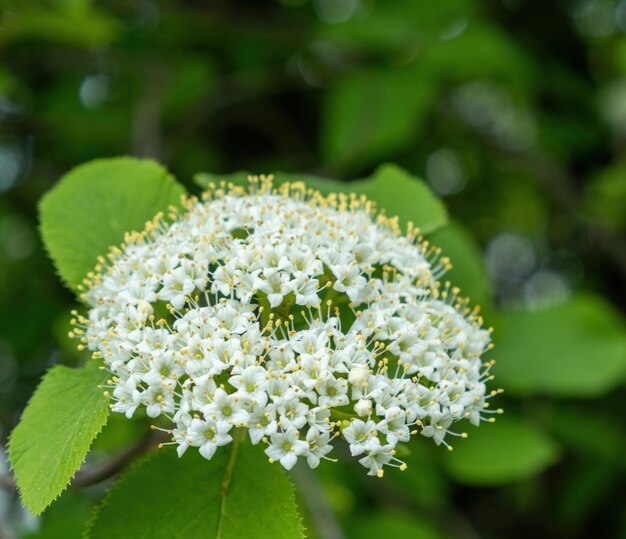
(262, 422)
(158, 400)
(361, 435)
(275, 284)
(164, 369)
(319, 446)
(438, 427)
(251, 385)
(333, 392)
(176, 286)
(282, 311)
(286, 447)
(349, 280)
(127, 397)
(208, 436)
(377, 456)
(306, 289)
(293, 413)
(395, 425)
(226, 408)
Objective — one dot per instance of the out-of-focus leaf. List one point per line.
(394, 525)
(602, 438)
(606, 198)
(481, 51)
(402, 25)
(232, 496)
(89, 114)
(587, 488)
(86, 27)
(468, 270)
(49, 444)
(188, 84)
(399, 193)
(506, 451)
(577, 348)
(372, 113)
(8, 82)
(95, 204)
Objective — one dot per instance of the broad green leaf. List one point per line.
(95, 204)
(392, 188)
(65, 414)
(577, 348)
(506, 451)
(399, 193)
(371, 114)
(468, 270)
(235, 495)
(393, 525)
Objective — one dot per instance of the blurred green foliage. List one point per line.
(512, 111)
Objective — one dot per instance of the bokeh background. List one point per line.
(513, 111)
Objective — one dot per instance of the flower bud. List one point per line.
(145, 307)
(363, 407)
(358, 376)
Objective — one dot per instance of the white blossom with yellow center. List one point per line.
(298, 317)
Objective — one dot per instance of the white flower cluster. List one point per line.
(298, 317)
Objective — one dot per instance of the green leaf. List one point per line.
(65, 414)
(81, 28)
(575, 349)
(506, 451)
(236, 495)
(95, 204)
(392, 188)
(399, 193)
(605, 198)
(394, 27)
(392, 524)
(483, 51)
(468, 270)
(372, 113)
